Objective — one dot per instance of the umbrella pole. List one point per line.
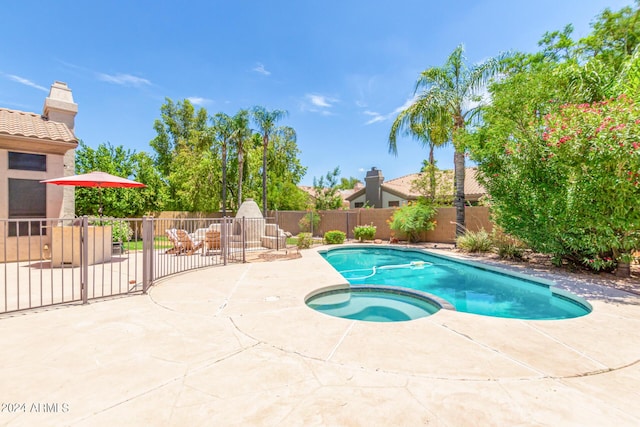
(100, 207)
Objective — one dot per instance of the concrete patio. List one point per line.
(236, 345)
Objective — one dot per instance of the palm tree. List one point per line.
(447, 93)
(266, 122)
(223, 130)
(241, 134)
(429, 126)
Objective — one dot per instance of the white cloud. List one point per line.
(317, 103)
(377, 117)
(124, 79)
(319, 100)
(26, 82)
(197, 100)
(260, 69)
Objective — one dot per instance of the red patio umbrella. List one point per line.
(95, 179)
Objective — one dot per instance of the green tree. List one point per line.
(348, 183)
(154, 195)
(183, 138)
(241, 140)
(604, 63)
(326, 191)
(118, 202)
(568, 183)
(413, 219)
(223, 130)
(427, 123)
(285, 171)
(266, 122)
(438, 193)
(558, 45)
(447, 93)
(558, 148)
(614, 37)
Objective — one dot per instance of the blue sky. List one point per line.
(342, 69)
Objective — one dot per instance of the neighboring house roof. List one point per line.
(344, 194)
(309, 190)
(31, 125)
(403, 186)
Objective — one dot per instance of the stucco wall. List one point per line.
(388, 197)
(359, 199)
(477, 217)
(57, 205)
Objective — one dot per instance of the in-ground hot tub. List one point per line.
(375, 303)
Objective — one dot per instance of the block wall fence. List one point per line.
(476, 218)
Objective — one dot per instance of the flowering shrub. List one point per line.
(412, 219)
(568, 183)
(364, 232)
(600, 264)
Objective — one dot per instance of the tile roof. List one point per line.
(403, 186)
(31, 125)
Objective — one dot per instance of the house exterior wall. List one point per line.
(388, 197)
(360, 199)
(55, 168)
(51, 134)
(57, 207)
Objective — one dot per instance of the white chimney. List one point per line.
(59, 105)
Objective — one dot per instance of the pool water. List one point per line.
(467, 287)
(372, 305)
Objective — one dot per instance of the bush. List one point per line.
(334, 237)
(413, 219)
(565, 180)
(309, 222)
(304, 240)
(120, 230)
(600, 264)
(474, 241)
(364, 232)
(507, 247)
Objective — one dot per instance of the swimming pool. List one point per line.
(469, 287)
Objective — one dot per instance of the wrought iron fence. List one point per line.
(46, 262)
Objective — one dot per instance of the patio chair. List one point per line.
(212, 240)
(173, 238)
(189, 244)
